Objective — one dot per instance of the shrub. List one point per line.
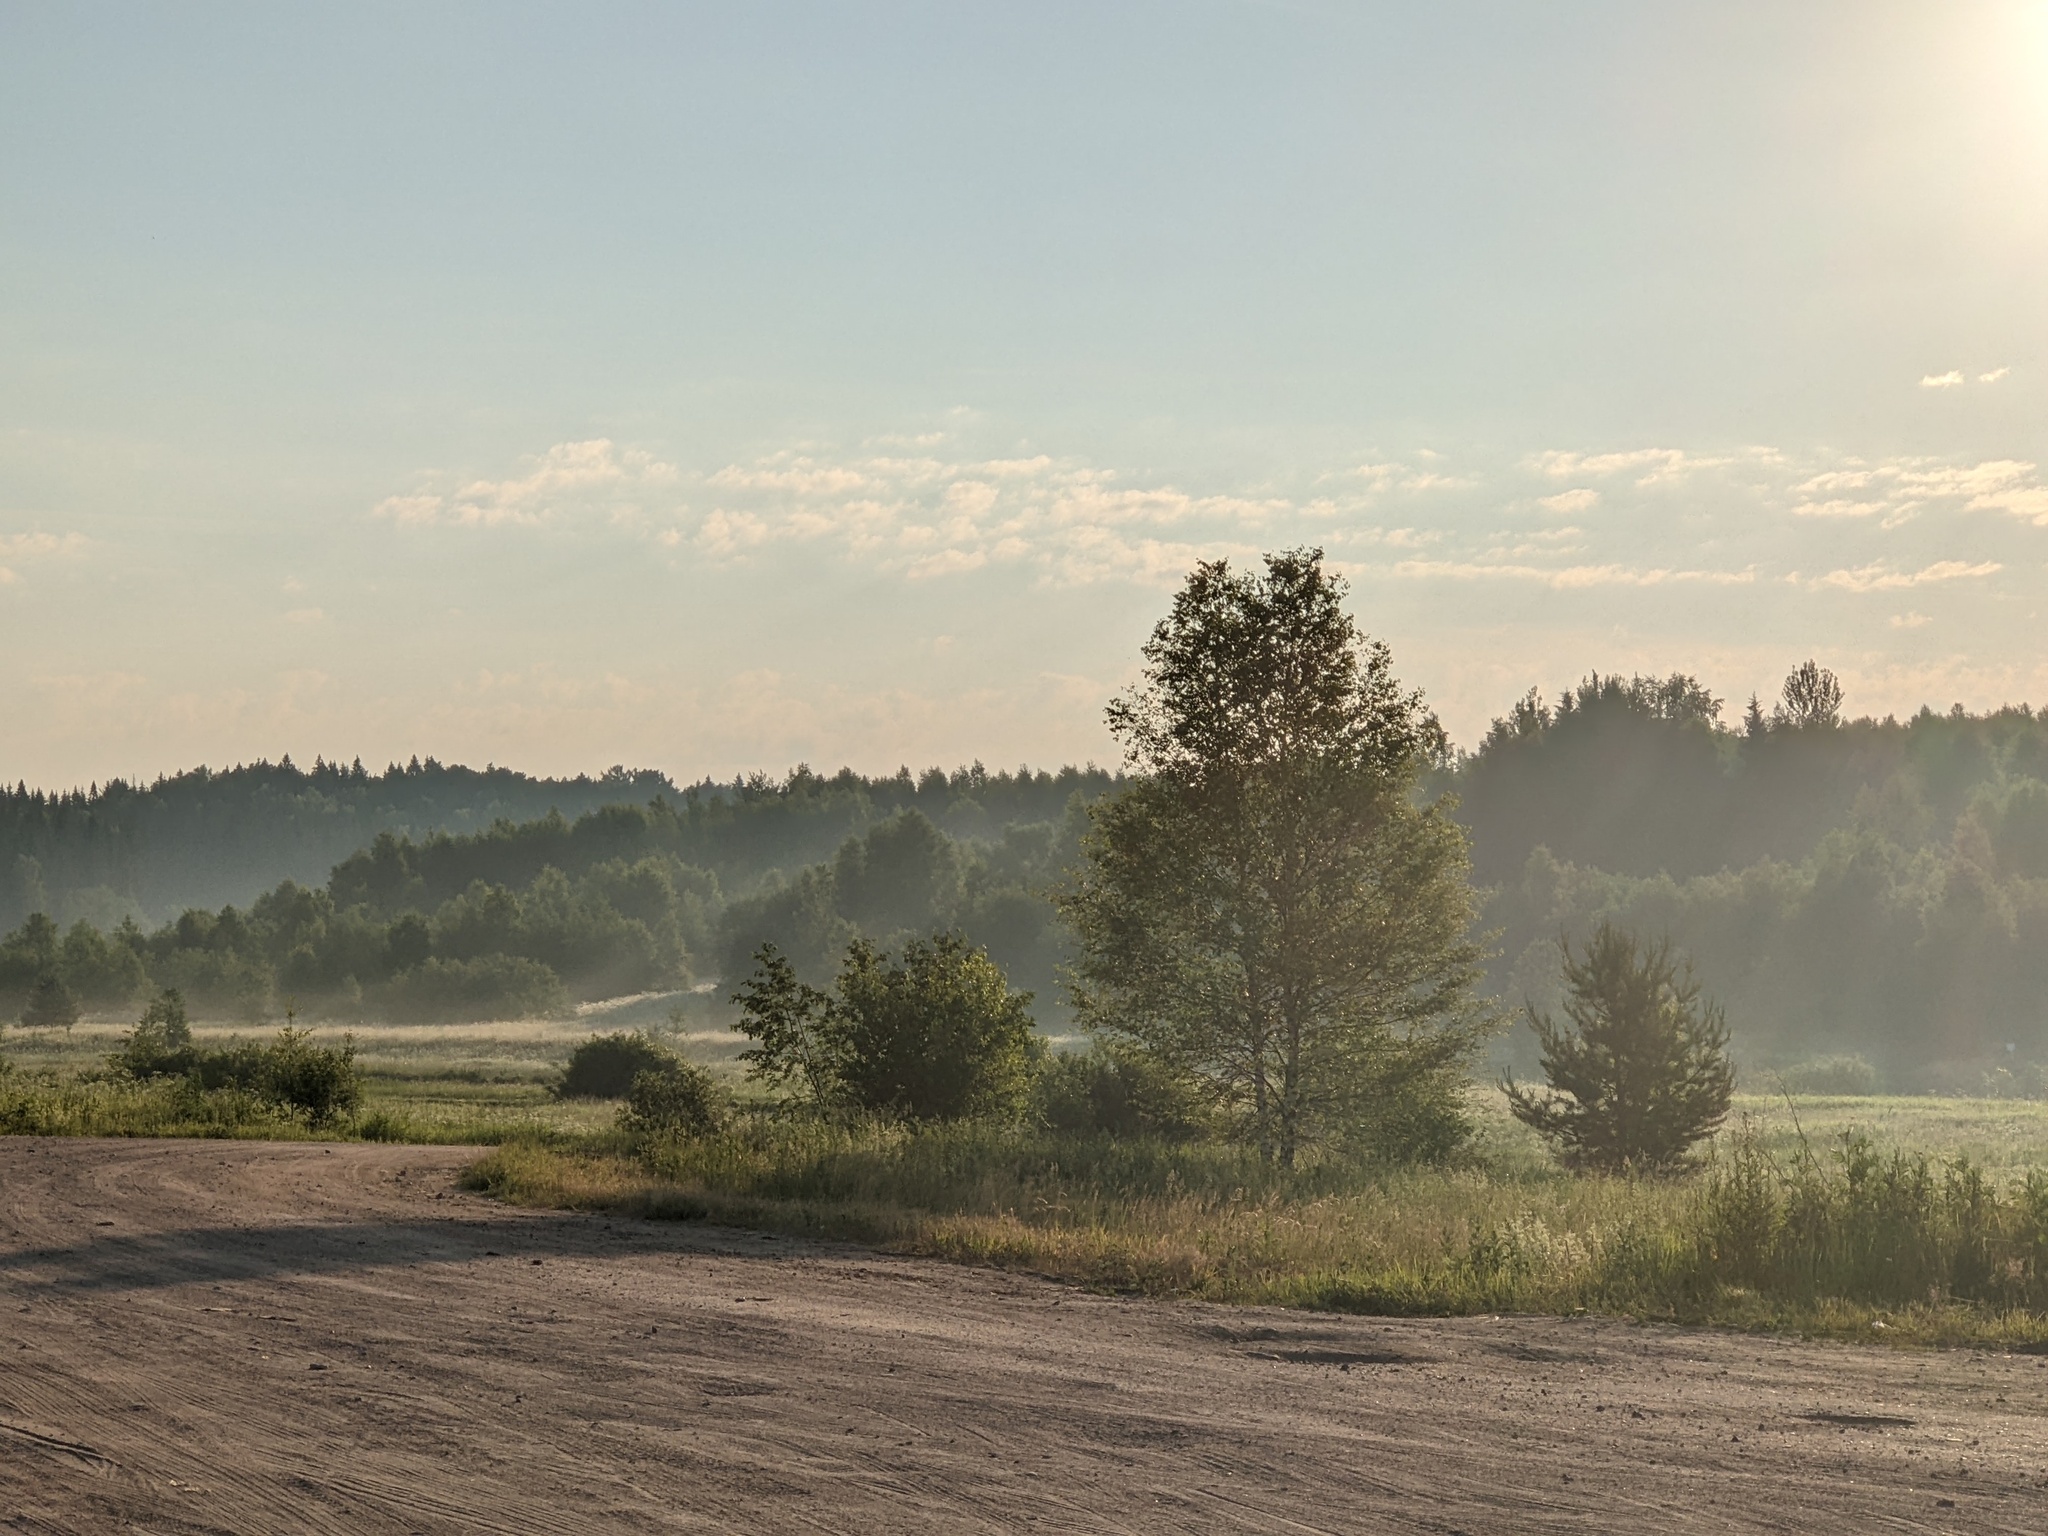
(1875, 1227)
(321, 1083)
(1848, 1076)
(604, 1066)
(1642, 1073)
(936, 1035)
(672, 1098)
(1116, 1093)
(160, 1044)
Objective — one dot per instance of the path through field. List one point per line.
(201, 1337)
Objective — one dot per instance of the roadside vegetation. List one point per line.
(1267, 933)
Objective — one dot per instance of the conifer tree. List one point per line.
(1641, 1071)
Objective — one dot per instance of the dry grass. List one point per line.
(1206, 1222)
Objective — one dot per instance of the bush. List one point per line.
(1847, 1076)
(935, 1035)
(673, 1098)
(604, 1066)
(160, 1044)
(1115, 1093)
(321, 1083)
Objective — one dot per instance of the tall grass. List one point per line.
(1819, 1244)
(31, 1106)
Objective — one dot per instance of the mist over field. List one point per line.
(1847, 887)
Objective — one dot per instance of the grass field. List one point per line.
(1506, 1230)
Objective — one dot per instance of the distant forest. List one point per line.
(1866, 886)
(529, 916)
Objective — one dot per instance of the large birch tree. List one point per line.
(1269, 908)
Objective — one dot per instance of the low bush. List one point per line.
(320, 1083)
(1118, 1093)
(604, 1066)
(673, 1098)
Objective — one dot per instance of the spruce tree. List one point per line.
(1641, 1072)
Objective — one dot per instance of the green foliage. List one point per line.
(1116, 1092)
(1874, 1244)
(487, 987)
(160, 1044)
(604, 1066)
(1268, 909)
(291, 1074)
(50, 1004)
(1811, 700)
(522, 917)
(672, 1098)
(796, 1043)
(1642, 1073)
(1866, 1225)
(936, 1034)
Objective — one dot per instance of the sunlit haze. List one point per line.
(712, 388)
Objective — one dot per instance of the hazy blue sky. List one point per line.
(713, 387)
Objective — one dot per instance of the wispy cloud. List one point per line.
(570, 478)
(1882, 578)
(21, 548)
(1565, 577)
(1993, 376)
(1569, 503)
(1949, 380)
(1657, 465)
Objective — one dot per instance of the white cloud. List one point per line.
(1565, 577)
(569, 479)
(1838, 509)
(1909, 621)
(1569, 502)
(1659, 465)
(19, 548)
(1881, 578)
(1947, 380)
(1993, 376)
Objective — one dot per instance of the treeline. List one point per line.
(1845, 885)
(206, 838)
(1869, 886)
(526, 918)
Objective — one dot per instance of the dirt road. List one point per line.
(249, 1338)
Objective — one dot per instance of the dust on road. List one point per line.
(205, 1336)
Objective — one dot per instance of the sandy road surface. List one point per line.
(234, 1337)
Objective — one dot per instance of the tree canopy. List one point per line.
(1266, 906)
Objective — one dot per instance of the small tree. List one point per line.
(1812, 697)
(1641, 1073)
(160, 1044)
(934, 1035)
(50, 1004)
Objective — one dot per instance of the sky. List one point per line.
(714, 388)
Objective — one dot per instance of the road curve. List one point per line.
(241, 1337)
